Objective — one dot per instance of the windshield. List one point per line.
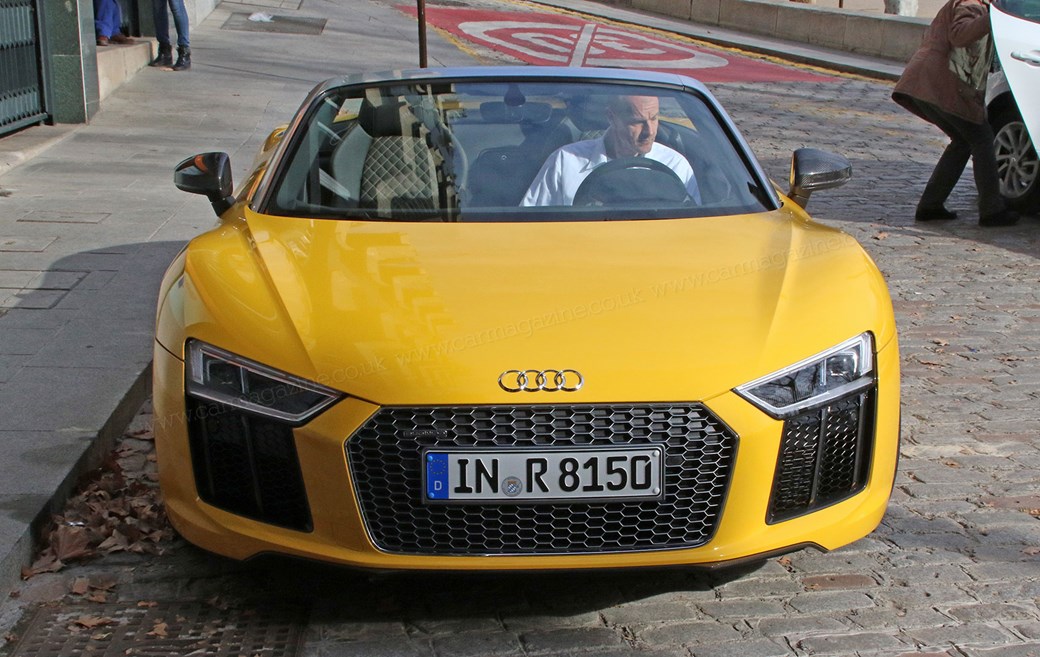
(1027, 9)
(512, 151)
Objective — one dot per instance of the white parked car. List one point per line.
(1013, 98)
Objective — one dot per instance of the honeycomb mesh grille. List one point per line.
(824, 456)
(385, 459)
(840, 453)
(796, 468)
(247, 465)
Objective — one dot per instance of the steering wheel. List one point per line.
(638, 181)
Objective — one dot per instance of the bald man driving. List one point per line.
(632, 132)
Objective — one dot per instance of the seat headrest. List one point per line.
(381, 120)
(589, 112)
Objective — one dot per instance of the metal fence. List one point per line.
(21, 74)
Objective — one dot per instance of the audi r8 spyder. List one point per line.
(393, 352)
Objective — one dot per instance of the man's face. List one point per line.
(634, 124)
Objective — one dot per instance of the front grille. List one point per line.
(824, 456)
(385, 460)
(247, 465)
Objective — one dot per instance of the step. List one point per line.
(118, 63)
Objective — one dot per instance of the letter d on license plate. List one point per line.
(518, 475)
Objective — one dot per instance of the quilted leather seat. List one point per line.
(384, 161)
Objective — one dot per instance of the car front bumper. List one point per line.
(319, 491)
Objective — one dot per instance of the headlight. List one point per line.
(845, 369)
(223, 377)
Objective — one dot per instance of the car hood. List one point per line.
(434, 313)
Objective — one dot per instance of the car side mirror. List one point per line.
(208, 174)
(813, 169)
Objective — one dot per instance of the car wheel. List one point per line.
(1017, 162)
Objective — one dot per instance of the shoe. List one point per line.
(934, 214)
(1002, 218)
(120, 38)
(183, 59)
(102, 41)
(164, 57)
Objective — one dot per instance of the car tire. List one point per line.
(1017, 162)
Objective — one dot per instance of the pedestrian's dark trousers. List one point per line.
(162, 22)
(967, 139)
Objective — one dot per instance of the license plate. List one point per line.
(518, 475)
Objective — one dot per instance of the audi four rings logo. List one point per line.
(541, 380)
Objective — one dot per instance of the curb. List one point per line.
(92, 457)
(22, 146)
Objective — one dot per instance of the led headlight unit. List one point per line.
(221, 376)
(835, 373)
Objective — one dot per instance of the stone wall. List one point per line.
(880, 35)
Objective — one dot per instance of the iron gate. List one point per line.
(21, 72)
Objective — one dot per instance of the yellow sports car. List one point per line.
(521, 318)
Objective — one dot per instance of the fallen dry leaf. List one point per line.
(114, 543)
(147, 603)
(70, 542)
(47, 563)
(80, 586)
(90, 622)
(104, 582)
(129, 450)
(218, 603)
(159, 629)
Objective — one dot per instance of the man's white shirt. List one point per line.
(565, 170)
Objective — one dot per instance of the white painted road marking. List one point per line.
(587, 45)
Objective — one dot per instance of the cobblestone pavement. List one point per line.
(952, 570)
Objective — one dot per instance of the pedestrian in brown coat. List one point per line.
(944, 83)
